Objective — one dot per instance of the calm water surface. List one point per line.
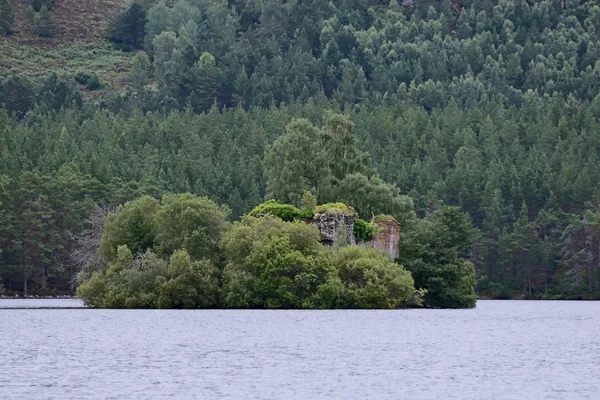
(500, 350)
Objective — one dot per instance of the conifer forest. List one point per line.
(136, 139)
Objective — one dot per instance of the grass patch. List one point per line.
(335, 208)
(101, 59)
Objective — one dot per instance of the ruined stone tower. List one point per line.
(387, 237)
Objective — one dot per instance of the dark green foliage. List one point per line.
(126, 27)
(39, 4)
(7, 18)
(286, 212)
(90, 80)
(494, 109)
(30, 12)
(44, 25)
(434, 252)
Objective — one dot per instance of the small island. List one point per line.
(180, 252)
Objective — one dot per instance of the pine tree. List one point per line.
(7, 17)
(206, 82)
(44, 26)
(126, 27)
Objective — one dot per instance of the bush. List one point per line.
(133, 225)
(277, 264)
(335, 208)
(91, 81)
(188, 284)
(286, 212)
(364, 231)
(186, 221)
(371, 279)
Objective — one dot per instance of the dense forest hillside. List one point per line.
(490, 106)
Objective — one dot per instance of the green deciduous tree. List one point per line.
(371, 279)
(276, 264)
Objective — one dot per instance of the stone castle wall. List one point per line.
(328, 223)
(387, 240)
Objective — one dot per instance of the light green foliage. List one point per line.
(334, 208)
(296, 162)
(371, 279)
(372, 196)
(328, 162)
(276, 264)
(434, 252)
(286, 212)
(183, 229)
(309, 203)
(92, 290)
(129, 282)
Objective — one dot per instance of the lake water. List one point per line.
(500, 350)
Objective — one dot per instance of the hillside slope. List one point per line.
(76, 21)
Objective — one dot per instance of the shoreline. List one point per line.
(34, 297)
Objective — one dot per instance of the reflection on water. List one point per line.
(501, 350)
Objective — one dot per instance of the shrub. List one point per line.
(186, 221)
(309, 203)
(371, 279)
(334, 208)
(94, 83)
(364, 231)
(277, 264)
(91, 81)
(188, 284)
(82, 77)
(286, 212)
